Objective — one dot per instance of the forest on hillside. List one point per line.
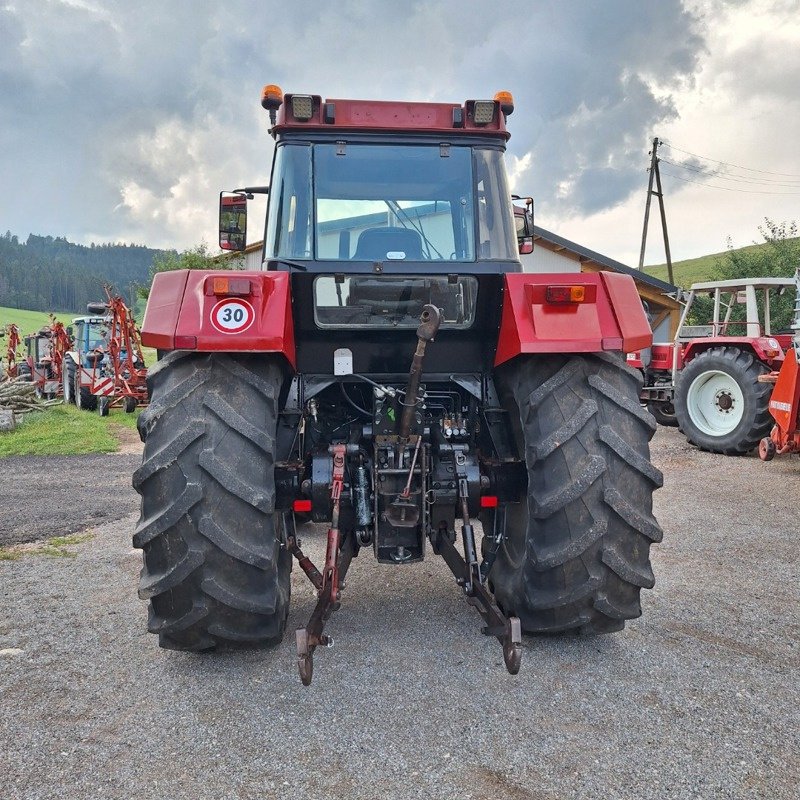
(47, 273)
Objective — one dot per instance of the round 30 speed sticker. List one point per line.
(232, 315)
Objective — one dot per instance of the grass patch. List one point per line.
(119, 417)
(54, 548)
(150, 355)
(60, 431)
(31, 321)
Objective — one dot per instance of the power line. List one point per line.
(728, 164)
(736, 178)
(730, 188)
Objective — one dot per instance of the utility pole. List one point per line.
(659, 193)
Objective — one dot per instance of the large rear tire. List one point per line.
(575, 555)
(214, 571)
(68, 380)
(719, 403)
(84, 399)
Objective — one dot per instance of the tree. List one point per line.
(776, 257)
(196, 257)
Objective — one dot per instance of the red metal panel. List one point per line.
(270, 330)
(628, 311)
(784, 403)
(161, 314)
(697, 346)
(531, 325)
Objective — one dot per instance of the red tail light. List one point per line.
(230, 286)
(565, 294)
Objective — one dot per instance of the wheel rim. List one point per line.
(715, 403)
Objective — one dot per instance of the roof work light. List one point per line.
(483, 112)
(302, 107)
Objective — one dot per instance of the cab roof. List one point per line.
(389, 116)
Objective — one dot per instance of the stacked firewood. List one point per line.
(20, 397)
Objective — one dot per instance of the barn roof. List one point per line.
(585, 254)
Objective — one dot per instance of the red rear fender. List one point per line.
(235, 312)
(611, 317)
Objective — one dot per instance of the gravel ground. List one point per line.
(697, 699)
(47, 496)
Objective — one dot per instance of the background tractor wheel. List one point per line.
(84, 399)
(103, 405)
(719, 403)
(575, 555)
(68, 380)
(24, 371)
(214, 571)
(664, 413)
(129, 404)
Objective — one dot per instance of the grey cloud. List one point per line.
(101, 103)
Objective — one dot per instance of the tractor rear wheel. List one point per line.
(84, 399)
(214, 570)
(720, 404)
(575, 554)
(68, 380)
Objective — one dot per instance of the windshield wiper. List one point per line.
(288, 263)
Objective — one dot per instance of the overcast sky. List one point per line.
(121, 121)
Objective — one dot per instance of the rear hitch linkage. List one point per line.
(330, 582)
(470, 575)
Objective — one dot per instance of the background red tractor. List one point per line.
(393, 373)
(44, 358)
(707, 381)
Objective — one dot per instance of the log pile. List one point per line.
(19, 397)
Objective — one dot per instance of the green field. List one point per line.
(65, 431)
(31, 321)
(695, 270)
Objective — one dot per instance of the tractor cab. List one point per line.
(90, 334)
(39, 361)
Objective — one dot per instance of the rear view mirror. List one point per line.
(523, 221)
(525, 245)
(232, 221)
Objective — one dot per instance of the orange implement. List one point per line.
(784, 405)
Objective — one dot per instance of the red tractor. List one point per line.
(392, 372)
(44, 360)
(708, 381)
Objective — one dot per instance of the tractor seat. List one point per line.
(375, 243)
